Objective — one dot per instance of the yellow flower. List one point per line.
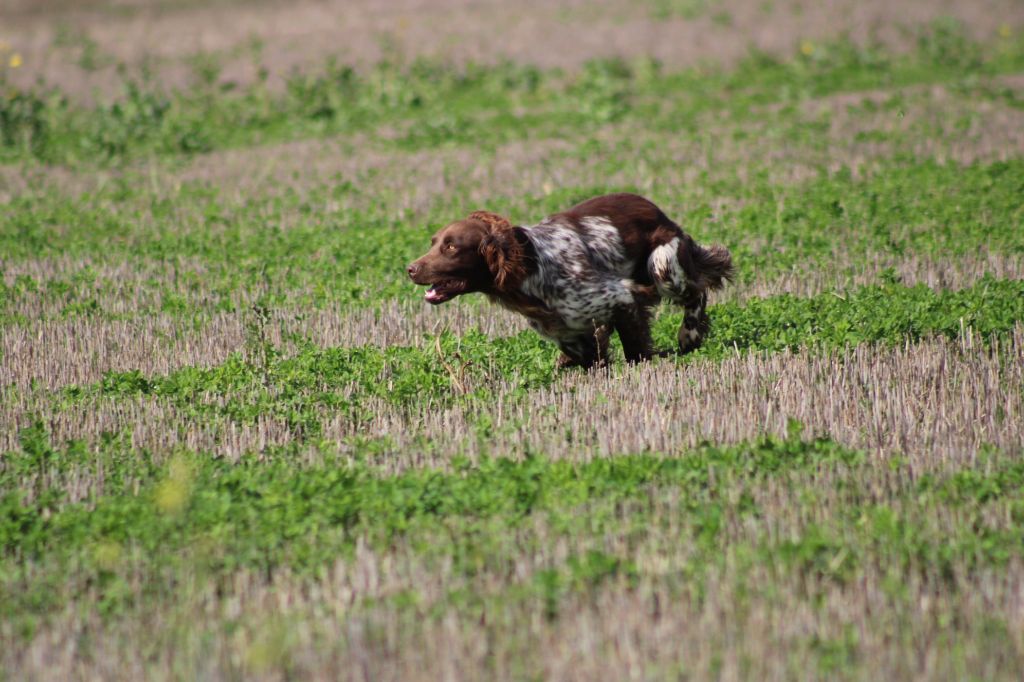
(107, 554)
(1004, 31)
(171, 496)
(15, 60)
(807, 48)
(173, 492)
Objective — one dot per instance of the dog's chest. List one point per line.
(542, 318)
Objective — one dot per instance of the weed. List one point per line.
(233, 448)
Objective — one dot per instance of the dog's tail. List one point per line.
(713, 264)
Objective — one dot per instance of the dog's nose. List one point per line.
(412, 269)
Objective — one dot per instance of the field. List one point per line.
(235, 442)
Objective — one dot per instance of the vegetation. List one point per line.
(236, 442)
(431, 105)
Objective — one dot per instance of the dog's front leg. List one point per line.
(585, 351)
(633, 324)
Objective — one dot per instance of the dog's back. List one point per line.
(644, 228)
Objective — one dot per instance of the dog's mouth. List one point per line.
(445, 290)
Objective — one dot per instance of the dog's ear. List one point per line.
(503, 255)
(493, 220)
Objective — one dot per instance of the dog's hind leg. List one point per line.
(695, 324)
(669, 275)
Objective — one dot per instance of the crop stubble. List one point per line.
(933, 407)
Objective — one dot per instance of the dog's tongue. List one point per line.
(433, 294)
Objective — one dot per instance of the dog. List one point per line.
(578, 275)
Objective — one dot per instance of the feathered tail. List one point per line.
(714, 265)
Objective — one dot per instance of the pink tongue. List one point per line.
(432, 294)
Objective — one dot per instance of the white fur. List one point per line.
(605, 245)
(665, 269)
(579, 276)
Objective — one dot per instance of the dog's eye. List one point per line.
(449, 247)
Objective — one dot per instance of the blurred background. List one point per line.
(79, 45)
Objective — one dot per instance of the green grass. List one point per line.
(850, 554)
(209, 518)
(432, 104)
(300, 388)
(355, 258)
(207, 252)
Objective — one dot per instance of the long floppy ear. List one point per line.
(493, 220)
(503, 255)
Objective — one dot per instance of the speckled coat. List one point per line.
(581, 274)
(602, 265)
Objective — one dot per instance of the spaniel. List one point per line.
(578, 275)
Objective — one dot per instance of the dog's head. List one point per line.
(479, 253)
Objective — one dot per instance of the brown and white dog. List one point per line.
(579, 274)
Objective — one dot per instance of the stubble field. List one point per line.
(235, 443)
